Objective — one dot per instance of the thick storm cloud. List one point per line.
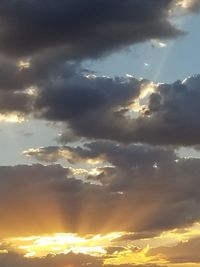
(81, 29)
(105, 108)
(37, 44)
(79, 98)
(102, 108)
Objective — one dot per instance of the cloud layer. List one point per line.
(155, 184)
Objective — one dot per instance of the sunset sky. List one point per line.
(99, 133)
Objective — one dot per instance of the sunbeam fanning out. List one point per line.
(99, 133)
(114, 248)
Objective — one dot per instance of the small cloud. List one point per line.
(158, 43)
(146, 65)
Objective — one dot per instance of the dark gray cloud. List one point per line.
(100, 108)
(39, 70)
(171, 116)
(123, 156)
(49, 36)
(81, 29)
(96, 108)
(19, 85)
(15, 102)
(82, 99)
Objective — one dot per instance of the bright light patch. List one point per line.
(23, 64)
(39, 246)
(31, 91)
(11, 118)
(111, 247)
(139, 103)
(91, 77)
(3, 251)
(157, 43)
(184, 3)
(133, 255)
(95, 172)
(61, 153)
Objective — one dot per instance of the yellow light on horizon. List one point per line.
(134, 252)
(62, 243)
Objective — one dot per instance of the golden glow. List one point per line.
(139, 103)
(39, 246)
(184, 3)
(104, 245)
(182, 235)
(169, 238)
(31, 91)
(133, 255)
(78, 171)
(190, 264)
(62, 153)
(11, 118)
(3, 251)
(23, 64)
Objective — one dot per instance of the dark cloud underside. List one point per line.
(82, 29)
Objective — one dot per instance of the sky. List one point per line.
(99, 133)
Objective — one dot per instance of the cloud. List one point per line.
(183, 252)
(189, 5)
(63, 260)
(40, 70)
(13, 259)
(103, 108)
(118, 109)
(155, 184)
(14, 102)
(76, 98)
(137, 236)
(34, 187)
(117, 154)
(80, 29)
